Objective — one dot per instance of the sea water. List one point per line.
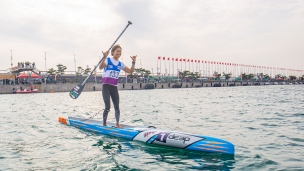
(265, 123)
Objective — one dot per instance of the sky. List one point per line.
(251, 32)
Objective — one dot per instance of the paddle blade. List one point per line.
(76, 91)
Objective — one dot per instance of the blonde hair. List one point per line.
(115, 47)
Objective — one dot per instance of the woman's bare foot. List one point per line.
(118, 126)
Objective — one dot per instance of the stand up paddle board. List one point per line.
(152, 135)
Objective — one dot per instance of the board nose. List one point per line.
(62, 120)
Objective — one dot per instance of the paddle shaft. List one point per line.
(84, 82)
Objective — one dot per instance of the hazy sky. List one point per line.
(254, 32)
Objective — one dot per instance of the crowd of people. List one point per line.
(8, 81)
(26, 65)
(20, 81)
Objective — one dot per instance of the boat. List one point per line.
(152, 135)
(25, 91)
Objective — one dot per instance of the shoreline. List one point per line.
(67, 87)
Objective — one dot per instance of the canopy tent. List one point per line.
(23, 75)
(35, 75)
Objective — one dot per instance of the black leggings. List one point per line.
(107, 92)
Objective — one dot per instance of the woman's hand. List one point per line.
(105, 54)
(133, 58)
(103, 64)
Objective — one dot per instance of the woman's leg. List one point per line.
(106, 98)
(115, 100)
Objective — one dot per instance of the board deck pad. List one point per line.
(109, 124)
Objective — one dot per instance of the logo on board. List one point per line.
(146, 134)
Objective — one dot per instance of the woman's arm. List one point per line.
(103, 64)
(130, 70)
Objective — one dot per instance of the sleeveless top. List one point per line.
(111, 72)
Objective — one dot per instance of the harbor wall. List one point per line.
(48, 88)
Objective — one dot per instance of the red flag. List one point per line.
(159, 57)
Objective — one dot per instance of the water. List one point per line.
(265, 123)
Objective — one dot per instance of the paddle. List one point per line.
(76, 91)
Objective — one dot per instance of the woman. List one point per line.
(112, 67)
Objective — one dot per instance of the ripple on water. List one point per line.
(264, 123)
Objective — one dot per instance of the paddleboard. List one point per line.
(152, 135)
